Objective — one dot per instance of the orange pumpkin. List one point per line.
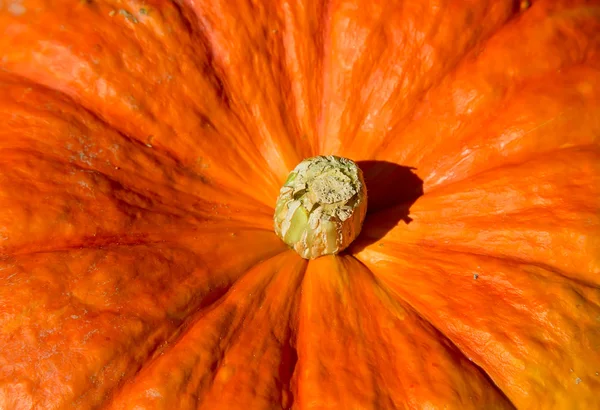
(142, 148)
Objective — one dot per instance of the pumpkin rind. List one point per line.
(142, 147)
(407, 360)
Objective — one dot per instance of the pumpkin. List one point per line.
(143, 146)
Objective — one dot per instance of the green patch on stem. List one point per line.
(321, 206)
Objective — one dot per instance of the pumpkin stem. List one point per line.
(321, 206)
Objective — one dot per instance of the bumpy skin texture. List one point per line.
(142, 147)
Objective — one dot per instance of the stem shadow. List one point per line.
(391, 188)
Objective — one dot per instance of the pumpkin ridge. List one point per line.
(551, 319)
(584, 272)
(176, 216)
(169, 342)
(463, 98)
(152, 116)
(148, 290)
(164, 206)
(378, 333)
(311, 106)
(115, 241)
(177, 334)
(217, 70)
(397, 298)
(94, 242)
(151, 197)
(281, 145)
(396, 302)
(409, 71)
(593, 147)
(436, 248)
(198, 28)
(402, 122)
(230, 314)
(476, 121)
(89, 115)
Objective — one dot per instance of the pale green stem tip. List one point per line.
(321, 206)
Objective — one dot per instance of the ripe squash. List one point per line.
(142, 148)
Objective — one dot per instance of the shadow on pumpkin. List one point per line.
(392, 189)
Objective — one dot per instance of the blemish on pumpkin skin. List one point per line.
(128, 16)
(132, 102)
(16, 8)
(153, 393)
(201, 164)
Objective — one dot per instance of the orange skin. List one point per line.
(142, 146)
